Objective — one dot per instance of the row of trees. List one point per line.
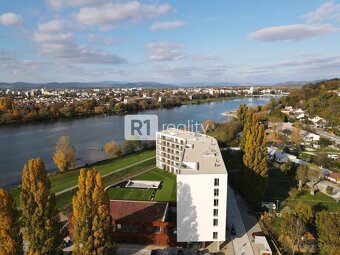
(10, 112)
(91, 220)
(254, 148)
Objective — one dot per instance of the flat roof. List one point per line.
(201, 149)
(138, 211)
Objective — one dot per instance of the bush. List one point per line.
(330, 190)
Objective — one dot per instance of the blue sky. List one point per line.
(169, 41)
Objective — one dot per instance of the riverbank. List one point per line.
(111, 112)
(64, 184)
(38, 139)
(210, 100)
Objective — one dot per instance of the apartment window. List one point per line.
(215, 202)
(215, 212)
(215, 235)
(216, 192)
(215, 222)
(217, 182)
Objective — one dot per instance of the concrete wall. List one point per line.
(195, 207)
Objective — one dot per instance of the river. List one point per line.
(19, 143)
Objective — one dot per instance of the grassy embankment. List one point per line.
(64, 181)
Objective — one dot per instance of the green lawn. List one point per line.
(319, 201)
(62, 181)
(167, 193)
(130, 194)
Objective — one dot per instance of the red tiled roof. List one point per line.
(334, 175)
(137, 211)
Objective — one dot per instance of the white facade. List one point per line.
(201, 183)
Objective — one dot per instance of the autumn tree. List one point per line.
(292, 228)
(208, 126)
(112, 149)
(65, 154)
(301, 175)
(328, 226)
(242, 113)
(247, 123)
(295, 137)
(39, 212)
(92, 223)
(255, 159)
(10, 236)
(304, 211)
(313, 176)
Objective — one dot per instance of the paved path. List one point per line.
(105, 175)
(241, 242)
(330, 136)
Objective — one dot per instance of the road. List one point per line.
(241, 241)
(105, 175)
(330, 136)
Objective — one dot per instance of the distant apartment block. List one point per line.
(201, 183)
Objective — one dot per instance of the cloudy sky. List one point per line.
(169, 41)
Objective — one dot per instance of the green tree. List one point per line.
(92, 223)
(301, 175)
(132, 145)
(304, 211)
(328, 226)
(277, 116)
(65, 154)
(39, 211)
(10, 236)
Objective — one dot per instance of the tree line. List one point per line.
(91, 223)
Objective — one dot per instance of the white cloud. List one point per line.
(291, 32)
(61, 46)
(166, 25)
(165, 51)
(53, 26)
(10, 19)
(326, 11)
(109, 15)
(59, 4)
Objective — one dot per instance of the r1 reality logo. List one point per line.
(140, 127)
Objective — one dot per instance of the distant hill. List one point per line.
(100, 84)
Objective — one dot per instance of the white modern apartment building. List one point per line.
(201, 183)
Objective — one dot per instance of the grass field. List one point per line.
(319, 201)
(130, 194)
(279, 185)
(167, 193)
(66, 180)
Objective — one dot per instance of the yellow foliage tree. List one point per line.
(10, 236)
(112, 149)
(39, 212)
(92, 223)
(65, 155)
